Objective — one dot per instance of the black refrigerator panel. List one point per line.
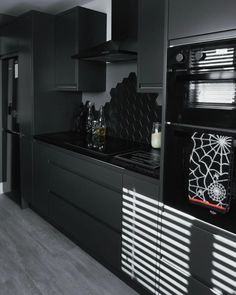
(12, 93)
(11, 130)
(12, 184)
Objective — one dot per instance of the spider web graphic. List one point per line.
(210, 170)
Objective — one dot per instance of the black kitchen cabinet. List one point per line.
(100, 241)
(173, 281)
(34, 29)
(204, 19)
(26, 172)
(83, 197)
(141, 220)
(40, 178)
(39, 105)
(194, 253)
(151, 45)
(9, 38)
(75, 30)
(86, 194)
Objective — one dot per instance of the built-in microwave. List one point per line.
(202, 84)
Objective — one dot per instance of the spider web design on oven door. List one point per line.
(210, 171)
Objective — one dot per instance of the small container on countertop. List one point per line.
(156, 135)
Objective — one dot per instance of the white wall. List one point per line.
(1, 188)
(115, 72)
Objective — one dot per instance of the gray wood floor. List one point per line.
(37, 259)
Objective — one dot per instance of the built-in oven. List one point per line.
(201, 126)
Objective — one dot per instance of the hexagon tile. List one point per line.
(129, 115)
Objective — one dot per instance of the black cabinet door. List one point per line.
(196, 248)
(82, 197)
(191, 18)
(96, 199)
(77, 29)
(9, 38)
(141, 230)
(172, 281)
(25, 80)
(99, 240)
(26, 170)
(151, 45)
(66, 69)
(40, 178)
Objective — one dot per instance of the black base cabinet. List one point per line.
(100, 241)
(40, 179)
(141, 221)
(196, 258)
(82, 197)
(117, 217)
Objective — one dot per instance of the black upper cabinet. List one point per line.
(75, 30)
(151, 36)
(9, 41)
(194, 18)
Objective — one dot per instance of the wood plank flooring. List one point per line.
(36, 259)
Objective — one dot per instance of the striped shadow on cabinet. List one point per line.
(140, 238)
(169, 252)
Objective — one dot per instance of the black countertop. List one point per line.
(103, 149)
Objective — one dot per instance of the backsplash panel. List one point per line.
(130, 115)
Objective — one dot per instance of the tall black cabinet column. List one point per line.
(41, 109)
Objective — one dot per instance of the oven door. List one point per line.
(177, 175)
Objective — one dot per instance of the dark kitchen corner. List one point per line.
(117, 147)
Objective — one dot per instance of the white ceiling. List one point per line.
(16, 7)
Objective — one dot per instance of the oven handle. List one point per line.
(188, 128)
(218, 75)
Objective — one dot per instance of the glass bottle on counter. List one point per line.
(90, 118)
(101, 129)
(156, 135)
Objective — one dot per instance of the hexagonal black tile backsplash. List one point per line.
(129, 115)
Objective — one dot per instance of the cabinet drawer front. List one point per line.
(173, 281)
(209, 257)
(140, 230)
(40, 178)
(95, 199)
(98, 240)
(145, 186)
(90, 169)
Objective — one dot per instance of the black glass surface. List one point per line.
(148, 159)
(133, 156)
(103, 145)
(144, 161)
(98, 146)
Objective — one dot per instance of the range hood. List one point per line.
(123, 46)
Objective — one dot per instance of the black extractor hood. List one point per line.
(123, 46)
